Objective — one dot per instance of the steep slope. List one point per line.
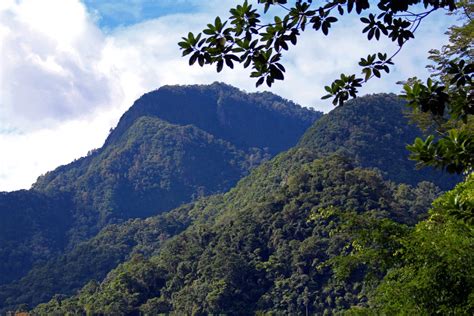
(261, 120)
(374, 131)
(154, 166)
(255, 250)
(92, 259)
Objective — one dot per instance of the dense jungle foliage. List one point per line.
(336, 225)
(174, 145)
(427, 269)
(32, 229)
(257, 251)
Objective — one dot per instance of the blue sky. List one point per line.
(70, 68)
(112, 14)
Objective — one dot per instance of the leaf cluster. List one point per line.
(249, 38)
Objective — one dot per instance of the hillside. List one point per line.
(92, 259)
(33, 228)
(174, 145)
(260, 120)
(246, 255)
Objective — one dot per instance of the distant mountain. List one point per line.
(247, 120)
(374, 131)
(172, 146)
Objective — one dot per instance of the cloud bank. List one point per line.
(64, 82)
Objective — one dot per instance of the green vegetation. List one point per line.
(92, 259)
(247, 120)
(233, 250)
(435, 272)
(338, 224)
(246, 255)
(374, 131)
(425, 270)
(318, 229)
(32, 229)
(370, 132)
(154, 166)
(173, 146)
(445, 104)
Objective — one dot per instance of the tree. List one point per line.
(447, 98)
(445, 104)
(247, 38)
(426, 269)
(422, 270)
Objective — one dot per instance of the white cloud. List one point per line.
(25, 156)
(48, 64)
(64, 83)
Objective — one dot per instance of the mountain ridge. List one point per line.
(180, 122)
(224, 106)
(374, 130)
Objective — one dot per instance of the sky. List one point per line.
(69, 69)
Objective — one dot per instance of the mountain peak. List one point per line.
(175, 144)
(374, 130)
(262, 120)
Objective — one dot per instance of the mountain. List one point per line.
(172, 146)
(371, 121)
(92, 259)
(260, 120)
(374, 131)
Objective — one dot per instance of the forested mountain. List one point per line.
(174, 145)
(93, 258)
(374, 130)
(261, 120)
(352, 128)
